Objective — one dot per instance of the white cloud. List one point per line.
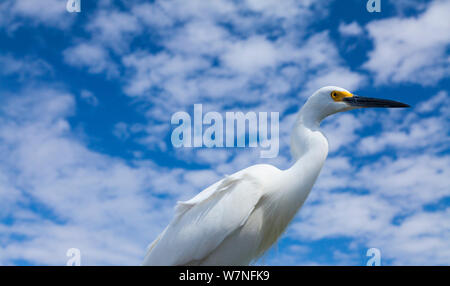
(285, 9)
(121, 130)
(353, 29)
(202, 178)
(403, 6)
(253, 70)
(411, 49)
(436, 103)
(46, 12)
(25, 68)
(198, 37)
(113, 28)
(410, 181)
(155, 70)
(343, 214)
(341, 131)
(422, 239)
(419, 239)
(89, 97)
(153, 15)
(211, 51)
(219, 53)
(415, 131)
(92, 201)
(91, 56)
(251, 55)
(335, 76)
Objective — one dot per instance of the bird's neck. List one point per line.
(310, 149)
(306, 138)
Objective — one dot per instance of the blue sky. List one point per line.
(86, 99)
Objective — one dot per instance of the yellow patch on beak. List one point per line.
(339, 95)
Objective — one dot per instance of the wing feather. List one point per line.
(203, 222)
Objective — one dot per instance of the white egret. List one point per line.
(237, 219)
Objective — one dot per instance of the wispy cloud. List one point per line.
(24, 68)
(91, 201)
(352, 29)
(91, 56)
(411, 49)
(46, 12)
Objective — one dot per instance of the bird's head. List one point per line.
(332, 99)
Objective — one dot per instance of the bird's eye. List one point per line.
(333, 94)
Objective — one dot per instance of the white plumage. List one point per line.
(234, 221)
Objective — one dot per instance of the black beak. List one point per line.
(359, 101)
